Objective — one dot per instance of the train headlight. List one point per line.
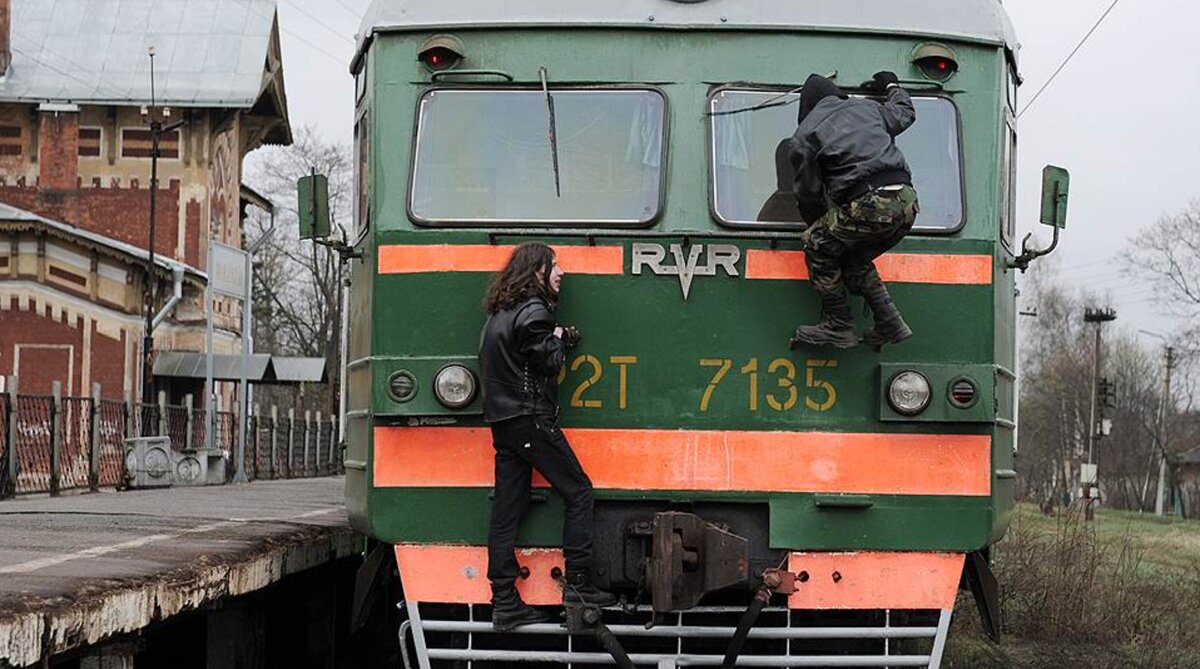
(908, 393)
(402, 386)
(455, 386)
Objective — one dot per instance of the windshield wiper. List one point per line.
(553, 131)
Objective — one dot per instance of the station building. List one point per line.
(75, 169)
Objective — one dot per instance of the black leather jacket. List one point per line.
(520, 358)
(842, 143)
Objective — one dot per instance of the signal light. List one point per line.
(963, 393)
(402, 386)
(441, 52)
(936, 61)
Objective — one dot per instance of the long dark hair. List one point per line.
(522, 278)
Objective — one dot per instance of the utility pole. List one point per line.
(155, 117)
(1159, 505)
(1099, 317)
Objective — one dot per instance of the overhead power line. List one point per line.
(319, 22)
(356, 13)
(1068, 59)
(315, 47)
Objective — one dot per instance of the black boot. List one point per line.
(890, 327)
(836, 327)
(509, 612)
(578, 589)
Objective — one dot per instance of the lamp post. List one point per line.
(156, 118)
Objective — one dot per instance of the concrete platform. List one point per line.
(77, 570)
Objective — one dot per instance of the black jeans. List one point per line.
(523, 444)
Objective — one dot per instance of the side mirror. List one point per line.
(313, 206)
(1056, 183)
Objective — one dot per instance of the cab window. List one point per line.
(752, 174)
(485, 157)
(1008, 189)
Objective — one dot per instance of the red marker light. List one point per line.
(943, 65)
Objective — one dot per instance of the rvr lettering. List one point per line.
(696, 260)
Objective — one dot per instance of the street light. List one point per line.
(155, 117)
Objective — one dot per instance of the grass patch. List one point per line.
(1118, 592)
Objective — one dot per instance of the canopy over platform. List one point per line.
(260, 368)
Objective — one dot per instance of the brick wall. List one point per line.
(54, 349)
(58, 155)
(191, 240)
(121, 213)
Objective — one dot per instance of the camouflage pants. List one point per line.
(841, 248)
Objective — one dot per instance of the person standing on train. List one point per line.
(854, 189)
(521, 350)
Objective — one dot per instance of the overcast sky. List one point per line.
(1122, 117)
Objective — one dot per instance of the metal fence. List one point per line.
(51, 443)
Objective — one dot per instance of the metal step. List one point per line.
(474, 640)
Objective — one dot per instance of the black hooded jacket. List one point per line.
(780, 207)
(519, 358)
(843, 142)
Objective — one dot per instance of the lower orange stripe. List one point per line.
(876, 580)
(894, 267)
(465, 258)
(458, 574)
(869, 580)
(895, 464)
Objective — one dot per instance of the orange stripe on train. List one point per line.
(484, 258)
(610, 260)
(885, 464)
(893, 267)
(867, 580)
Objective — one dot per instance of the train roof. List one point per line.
(971, 20)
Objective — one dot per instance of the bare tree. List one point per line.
(1056, 385)
(297, 295)
(1168, 256)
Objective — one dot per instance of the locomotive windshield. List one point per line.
(484, 156)
(752, 184)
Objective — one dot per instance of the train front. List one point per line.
(862, 483)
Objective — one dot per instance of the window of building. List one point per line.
(137, 143)
(751, 169)
(11, 140)
(485, 157)
(90, 142)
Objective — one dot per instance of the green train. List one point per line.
(639, 138)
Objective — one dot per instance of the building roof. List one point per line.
(209, 53)
(1191, 457)
(971, 20)
(11, 217)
